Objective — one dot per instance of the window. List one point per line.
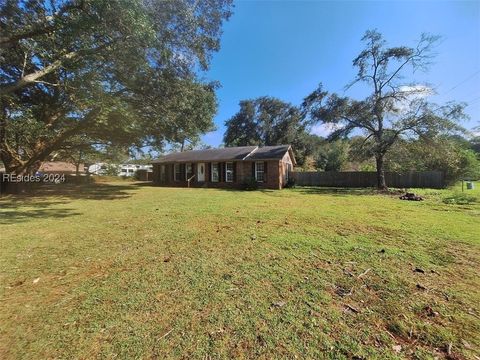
(229, 172)
(188, 171)
(260, 171)
(177, 172)
(215, 172)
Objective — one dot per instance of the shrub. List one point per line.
(250, 184)
(111, 170)
(290, 183)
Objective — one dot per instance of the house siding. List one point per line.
(243, 171)
(283, 169)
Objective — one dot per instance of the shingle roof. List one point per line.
(228, 153)
(58, 166)
(269, 152)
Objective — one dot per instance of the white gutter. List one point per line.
(250, 153)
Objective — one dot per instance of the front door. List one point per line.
(201, 172)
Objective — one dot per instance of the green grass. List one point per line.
(124, 271)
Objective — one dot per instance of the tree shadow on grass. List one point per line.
(144, 184)
(17, 216)
(91, 191)
(41, 201)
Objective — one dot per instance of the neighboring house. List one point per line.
(127, 170)
(131, 169)
(230, 167)
(123, 169)
(60, 167)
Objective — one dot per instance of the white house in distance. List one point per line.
(127, 169)
(131, 169)
(123, 169)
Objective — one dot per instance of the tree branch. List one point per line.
(42, 29)
(43, 148)
(33, 77)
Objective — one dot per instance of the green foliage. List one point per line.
(119, 72)
(333, 156)
(366, 167)
(391, 111)
(250, 184)
(269, 121)
(474, 144)
(447, 154)
(291, 183)
(459, 198)
(111, 170)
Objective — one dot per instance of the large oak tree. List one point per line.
(118, 72)
(268, 121)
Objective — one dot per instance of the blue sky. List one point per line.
(285, 48)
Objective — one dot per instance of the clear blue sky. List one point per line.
(285, 48)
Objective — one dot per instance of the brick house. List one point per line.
(230, 167)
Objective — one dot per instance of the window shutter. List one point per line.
(265, 178)
(182, 170)
(222, 171)
(209, 177)
(235, 165)
(254, 176)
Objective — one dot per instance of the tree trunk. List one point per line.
(77, 165)
(14, 164)
(381, 184)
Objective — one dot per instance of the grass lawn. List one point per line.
(118, 270)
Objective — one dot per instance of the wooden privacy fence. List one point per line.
(423, 179)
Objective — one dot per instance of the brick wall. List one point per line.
(243, 172)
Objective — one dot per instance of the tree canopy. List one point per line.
(393, 109)
(268, 121)
(120, 72)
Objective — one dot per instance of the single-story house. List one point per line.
(230, 167)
